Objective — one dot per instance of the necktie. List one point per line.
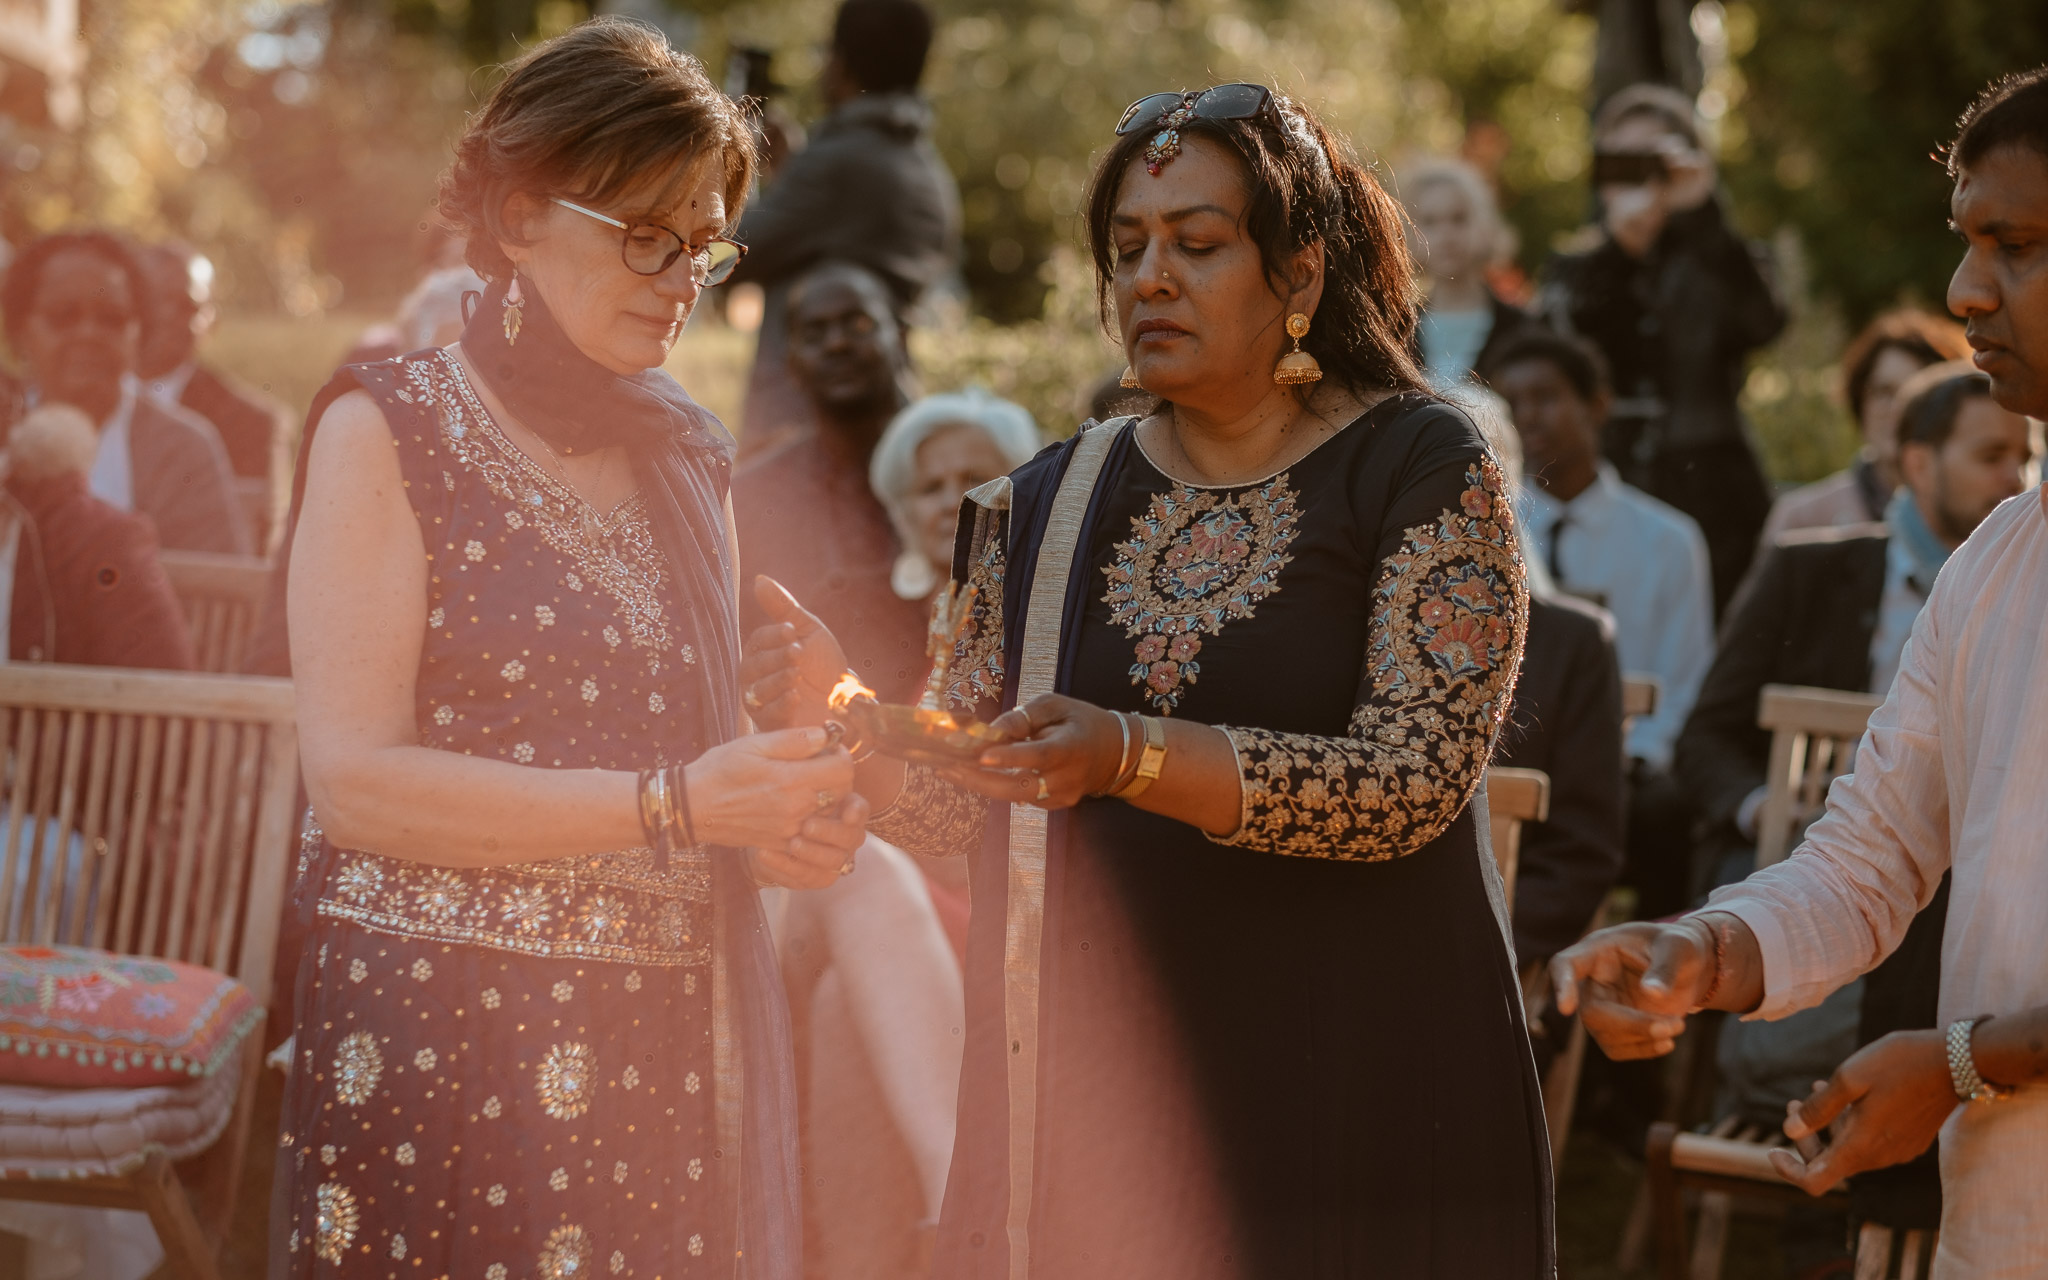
(1557, 548)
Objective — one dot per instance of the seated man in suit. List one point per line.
(252, 426)
(1566, 721)
(1644, 562)
(1832, 608)
(73, 304)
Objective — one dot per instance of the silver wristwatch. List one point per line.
(1962, 1064)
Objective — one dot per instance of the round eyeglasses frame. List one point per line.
(711, 265)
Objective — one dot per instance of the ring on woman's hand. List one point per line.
(751, 699)
(846, 867)
(826, 800)
(1044, 790)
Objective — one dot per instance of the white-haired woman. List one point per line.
(931, 455)
(1456, 233)
(874, 961)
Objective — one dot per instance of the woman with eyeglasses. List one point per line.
(539, 1029)
(1240, 996)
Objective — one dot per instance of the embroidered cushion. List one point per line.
(76, 1017)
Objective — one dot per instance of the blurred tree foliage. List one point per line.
(1026, 94)
(1836, 109)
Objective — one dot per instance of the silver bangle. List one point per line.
(1123, 725)
(1962, 1064)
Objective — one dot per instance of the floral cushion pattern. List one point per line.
(73, 1016)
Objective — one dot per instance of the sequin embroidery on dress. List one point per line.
(1196, 560)
(508, 1071)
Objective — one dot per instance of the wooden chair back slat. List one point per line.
(1814, 733)
(221, 595)
(160, 870)
(17, 811)
(92, 829)
(135, 812)
(147, 813)
(1513, 797)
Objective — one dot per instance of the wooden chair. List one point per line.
(1814, 733)
(144, 815)
(1813, 740)
(221, 595)
(1513, 797)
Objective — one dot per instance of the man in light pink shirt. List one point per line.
(1952, 776)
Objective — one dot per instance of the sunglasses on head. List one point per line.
(1169, 111)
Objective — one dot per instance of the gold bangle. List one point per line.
(1150, 760)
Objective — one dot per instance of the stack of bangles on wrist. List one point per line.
(665, 812)
(1144, 755)
(1717, 935)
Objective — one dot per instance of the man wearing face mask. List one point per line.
(1676, 302)
(806, 515)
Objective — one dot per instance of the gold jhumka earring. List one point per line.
(1130, 379)
(1297, 366)
(515, 311)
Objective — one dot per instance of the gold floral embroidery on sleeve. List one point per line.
(931, 817)
(977, 683)
(1443, 649)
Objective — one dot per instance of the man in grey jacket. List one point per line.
(869, 189)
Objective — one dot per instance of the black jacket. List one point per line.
(869, 188)
(1805, 617)
(1566, 721)
(1676, 327)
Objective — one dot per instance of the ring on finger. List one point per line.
(1044, 791)
(751, 699)
(826, 800)
(846, 867)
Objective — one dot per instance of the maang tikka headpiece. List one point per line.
(1165, 144)
(1167, 113)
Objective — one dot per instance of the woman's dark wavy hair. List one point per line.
(1306, 185)
(593, 114)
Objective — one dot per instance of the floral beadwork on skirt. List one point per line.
(500, 1116)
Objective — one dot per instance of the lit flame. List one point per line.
(847, 691)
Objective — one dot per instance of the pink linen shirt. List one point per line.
(1951, 776)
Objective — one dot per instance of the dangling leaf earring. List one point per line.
(1297, 366)
(515, 311)
(1130, 379)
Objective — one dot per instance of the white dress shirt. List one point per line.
(1951, 776)
(1645, 563)
(113, 468)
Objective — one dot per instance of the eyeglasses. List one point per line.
(1223, 102)
(650, 249)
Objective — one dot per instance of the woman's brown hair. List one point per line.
(1305, 186)
(1927, 338)
(592, 114)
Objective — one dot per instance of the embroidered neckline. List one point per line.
(1270, 476)
(621, 558)
(1198, 558)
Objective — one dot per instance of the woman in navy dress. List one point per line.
(1241, 1000)
(538, 1028)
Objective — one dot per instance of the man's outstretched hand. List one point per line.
(1885, 1104)
(1634, 984)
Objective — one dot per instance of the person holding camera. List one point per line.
(1676, 301)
